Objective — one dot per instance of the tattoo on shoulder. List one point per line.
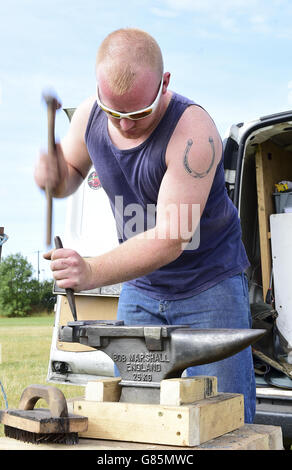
(191, 171)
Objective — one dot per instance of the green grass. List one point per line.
(43, 320)
(25, 349)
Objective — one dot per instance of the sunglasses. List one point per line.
(136, 115)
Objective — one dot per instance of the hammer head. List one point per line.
(51, 99)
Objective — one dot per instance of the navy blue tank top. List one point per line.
(131, 178)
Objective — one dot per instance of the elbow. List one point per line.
(176, 248)
(178, 232)
(170, 247)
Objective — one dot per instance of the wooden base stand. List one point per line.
(247, 437)
(191, 412)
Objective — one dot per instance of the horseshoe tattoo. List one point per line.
(193, 173)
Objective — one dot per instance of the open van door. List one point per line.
(258, 170)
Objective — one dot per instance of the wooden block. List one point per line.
(103, 390)
(186, 390)
(186, 425)
(248, 437)
(220, 417)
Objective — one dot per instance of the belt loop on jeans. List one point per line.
(163, 304)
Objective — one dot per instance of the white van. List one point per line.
(258, 171)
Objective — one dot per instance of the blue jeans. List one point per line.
(226, 305)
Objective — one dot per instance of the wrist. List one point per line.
(91, 280)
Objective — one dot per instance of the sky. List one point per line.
(233, 57)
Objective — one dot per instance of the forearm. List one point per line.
(136, 257)
(69, 184)
(55, 173)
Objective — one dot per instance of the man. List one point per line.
(153, 147)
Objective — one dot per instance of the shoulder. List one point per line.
(73, 143)
(82, 112)
(196, 121)
(196, 126)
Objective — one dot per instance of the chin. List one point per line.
(132, 134)
(138, 130)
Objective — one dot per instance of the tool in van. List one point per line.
(43, 425)
(145, 354)
(53, 104)
(269, 296)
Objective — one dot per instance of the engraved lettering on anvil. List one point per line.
(142, 377)
(142, 367)
(148, 357)
(119, 357)
(141, 357)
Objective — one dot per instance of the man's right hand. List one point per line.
(62, 172)
(51, 172)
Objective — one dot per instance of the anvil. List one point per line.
(147, 354)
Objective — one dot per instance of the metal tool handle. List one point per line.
(53, 396)
(69, 292)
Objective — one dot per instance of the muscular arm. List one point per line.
(66, 172)
(192, 157)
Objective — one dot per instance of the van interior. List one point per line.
(266, 231)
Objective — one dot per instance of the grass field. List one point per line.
(24, 357)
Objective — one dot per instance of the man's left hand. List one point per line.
(70, 270)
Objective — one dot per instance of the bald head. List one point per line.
(126, 53)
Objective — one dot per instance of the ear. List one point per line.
(166, 79)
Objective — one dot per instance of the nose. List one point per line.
(126, 124)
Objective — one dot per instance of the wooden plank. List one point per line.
(248, 437)
(274, 392)
(213, 412)
(186, 390)
(103, 389)
(263, 211)
(135, 422)
(186, 425)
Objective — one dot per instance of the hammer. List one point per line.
(53, 104)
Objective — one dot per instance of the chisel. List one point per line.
(69, 292)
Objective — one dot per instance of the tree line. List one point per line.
(20, 293)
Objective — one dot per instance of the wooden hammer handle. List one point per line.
(52, 105)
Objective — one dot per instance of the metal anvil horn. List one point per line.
(147, 354)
